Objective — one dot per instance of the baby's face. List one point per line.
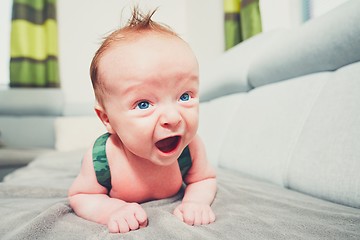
(152, 101)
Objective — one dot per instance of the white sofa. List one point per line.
(280, 118)
(297, 122)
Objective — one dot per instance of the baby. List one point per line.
(146, 83)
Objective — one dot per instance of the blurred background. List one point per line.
(82, 24)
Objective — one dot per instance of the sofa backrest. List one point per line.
(326, 43)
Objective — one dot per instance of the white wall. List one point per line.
(280, 14)
(205, 29)
(5, 18)
(83, 23)
(320, 7)
(287, 14)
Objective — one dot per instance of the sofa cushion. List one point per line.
(265, 128)
(326, 160)
(325, 43)
(214, 121)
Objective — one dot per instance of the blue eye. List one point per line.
(143, 105)
(185, 97)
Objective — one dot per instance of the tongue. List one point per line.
(168, 144)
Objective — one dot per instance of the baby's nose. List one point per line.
(170, 118)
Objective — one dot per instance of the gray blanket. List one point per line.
(33, 205)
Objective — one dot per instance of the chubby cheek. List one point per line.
(192, 122)
(136, 134)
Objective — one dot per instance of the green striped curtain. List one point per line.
(34, 44)
(232, 25)
(250, 18)
(242, 21)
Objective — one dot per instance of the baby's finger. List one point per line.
(189, 217)
(197, 218)
(205, 217)
(113, 226)
(143, 224)
(132, 223)
(178, 214)
(141, 217)
(123, 225)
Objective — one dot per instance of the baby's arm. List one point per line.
(90, 201)
(200, 192)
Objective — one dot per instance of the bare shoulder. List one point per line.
(197, 149)
(86, 181)
(201, 168)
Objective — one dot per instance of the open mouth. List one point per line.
(169, 144)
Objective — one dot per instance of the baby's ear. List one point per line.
(100, 111)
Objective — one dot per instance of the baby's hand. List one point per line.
(129, 217)
(193, 213)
